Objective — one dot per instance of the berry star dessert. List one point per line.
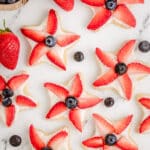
(111, 138)
(105, 9)
(120, 68)
(7, 93)
(51, 41)
(73, 100)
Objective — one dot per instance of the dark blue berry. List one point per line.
(110, 139)
(11, 1)
(46, 148)
(111, 4)
(144, 46)
(7, 93)
(50, 41)
(15, 140)
(121, 68)
(109, 101)
(79, 56)
(7, 102)
(71, 102)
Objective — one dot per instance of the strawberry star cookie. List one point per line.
(105, 9)
(50, 40)
(73, 100)
(110, 138)
(120, 68)
(57, 141)
(7, 94)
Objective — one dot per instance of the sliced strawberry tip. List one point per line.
(58, 90)
(57, 109)
(145, 125)
(100, 18)
(2, 83)
(25, 101)
(94, 2)
(130, 1)
(16, 81)
(95, 142)
(145, 102)
(36, 141)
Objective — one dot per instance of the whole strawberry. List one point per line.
(9, 48)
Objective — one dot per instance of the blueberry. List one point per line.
(7, 102)
(7, 93)
(121, 68)
(79, 56)
(111, 4)
(144, 46)
(11, 1)
(50, 41)
(110, 139)
(15, 140)
(71, 102)
(109, 101)
(46, 148)
(3, 1)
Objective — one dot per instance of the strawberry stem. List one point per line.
(6, 29)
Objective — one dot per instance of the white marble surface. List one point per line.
(109, 38)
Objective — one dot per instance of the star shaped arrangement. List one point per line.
(7, 94)
(51, 41)
(120, 68)
(106, 9)
(54, 143)
(110, 137)
(73, 101)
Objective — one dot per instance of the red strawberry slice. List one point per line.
(130, 1)
(145, 102)
(122, 124)
(36, 141)
(104, 126)
(10, 115)
(65, 4)
(125, 144)
(145, 125)
(38, 51)
(77, 87)
(88, 102)
(55, 59)
(105, 58)
(52, 22)
(126, 51)
(2, 83)
(25, 101)
(126, 85)
(35, 35)
(95, 142)
(57, 109)
(59, 91)
(94, 2)
(16, 81)
(57, 139)
(123, 14)
(69, 38)
(106, 78)
(106, 147)
(75, 118)
(100, 18)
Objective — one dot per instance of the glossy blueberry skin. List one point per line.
(15, 140)
(79, 56)
(71, 102)
(6, 102)
(7, 93)
(110, 139)
(121, 68)
(109, 102)
(144, 46)
(111, 4)
(46, 148)
(50, 41)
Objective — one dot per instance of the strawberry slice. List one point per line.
(106, 78)
(106, 147)
(57, 139)
(59, 91)
(130, 1)
(124, 144)
(36, 141)
(16, 81)
(55, 59)
(105, 58)
(75, 118)
(69, 38)
(52, 22)
(38, 51)
(145, 102)
(95, 142)
(126, 51)
(94, 2)
(88, 102)
(58, 108)
(123, 14)
(138, 68)
(122, 124)
(126, 85)
(10, 115)
(25, 101)
(77, 88)
(2, 83)
(65, 4)
(35, 35)
(104, 126)
(100, 18)
(145, 125)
